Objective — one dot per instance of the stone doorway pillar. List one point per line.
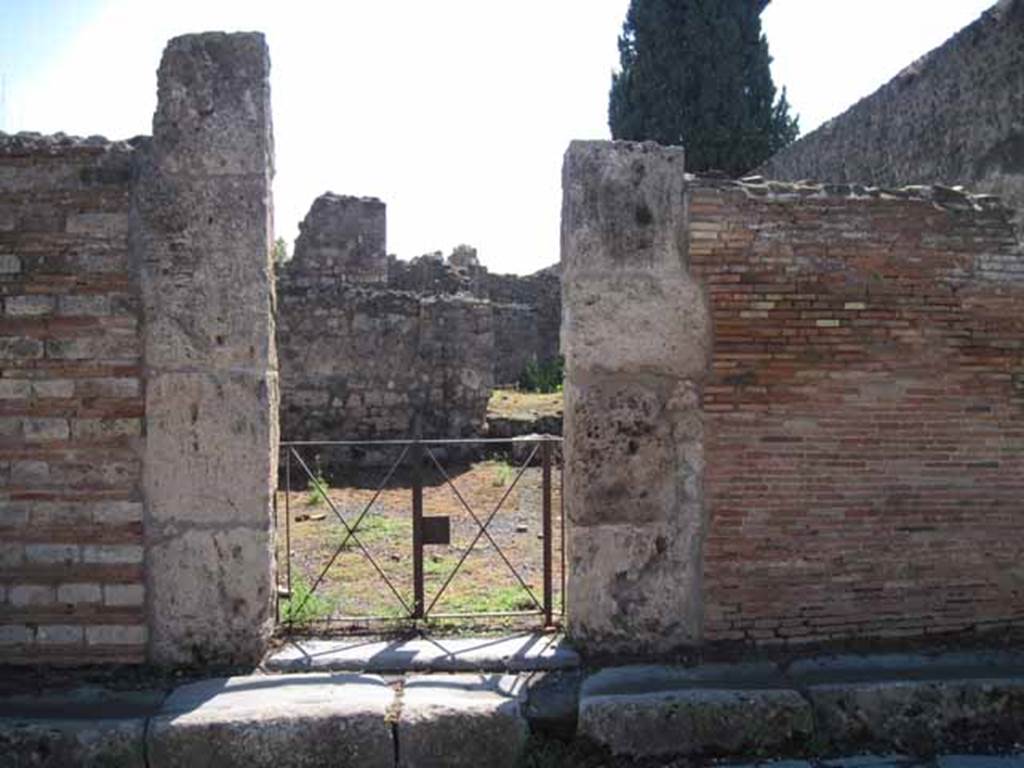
(636, 337)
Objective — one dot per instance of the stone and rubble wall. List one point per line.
(138, 377)
(372, 359)
(403, 345)
(72, 583)
(864, 413)
(531, 309)
(528, 308)
(952, 117)
(794, 413)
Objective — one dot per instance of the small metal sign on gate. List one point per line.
(437, 529)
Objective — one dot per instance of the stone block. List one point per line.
(59, 634)
(213, 110)
(30, 472)
(920, 716)
(105, 429)
(461, 720)
(28, 306)
(45, 430)
(113, 634)
(114, 344)
(16, 634)
(53, 388)
(116, 512)
(123, 595)
(207, 290)
(79, 593)
(108, 387)
(210, 439)
(623, 208)
(58, 743)
(252, 722)
(9, 264)
(696, 722)
(667, 318)
(51, 553)
(30, 594)
(85, 305)
(210, 594)
(20, 348)
(113, 554)
(97, 224)
(15, 389)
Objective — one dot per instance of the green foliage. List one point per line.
(695, 73)
(503, 474)
(543, 377)
(305, 606)
(280, 251)
(318, 488)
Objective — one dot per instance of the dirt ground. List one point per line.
(334, 584)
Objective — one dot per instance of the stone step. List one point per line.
(906, 703)
(517, 653)
(656, 712)
(275, 720)
(257, 721)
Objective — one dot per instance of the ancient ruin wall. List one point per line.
(71, 404)
(528, 320)
(953, 117)
(137, 383)
(368, 361)
(864, 416)
(527, 308)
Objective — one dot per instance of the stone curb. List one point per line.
(887, 704)
(890, 703)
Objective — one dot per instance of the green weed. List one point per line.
(318, 490)
(305, 606)
(544, 377)
(504, 473)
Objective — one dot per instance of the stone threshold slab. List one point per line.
(517, 653)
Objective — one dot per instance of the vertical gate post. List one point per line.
(636, 335)
(545, 453)
(203, 230)
(417, 529)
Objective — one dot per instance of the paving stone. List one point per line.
(904, 666)
(60, 743)
(920, 716)
(980, 761)
(490, 654)
(250, 722)
(461, 720)
(650, 711)
(552, 702)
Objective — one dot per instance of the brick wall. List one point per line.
(71, 404)
(864, 414)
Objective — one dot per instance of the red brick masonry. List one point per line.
(865, 413)
(71, 405)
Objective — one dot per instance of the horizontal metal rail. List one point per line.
(428, 441)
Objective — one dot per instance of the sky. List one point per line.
(456, 113)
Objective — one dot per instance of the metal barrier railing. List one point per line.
(415, 460)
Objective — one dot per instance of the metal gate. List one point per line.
(421, 463)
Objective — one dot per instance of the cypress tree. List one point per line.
(696, 73)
